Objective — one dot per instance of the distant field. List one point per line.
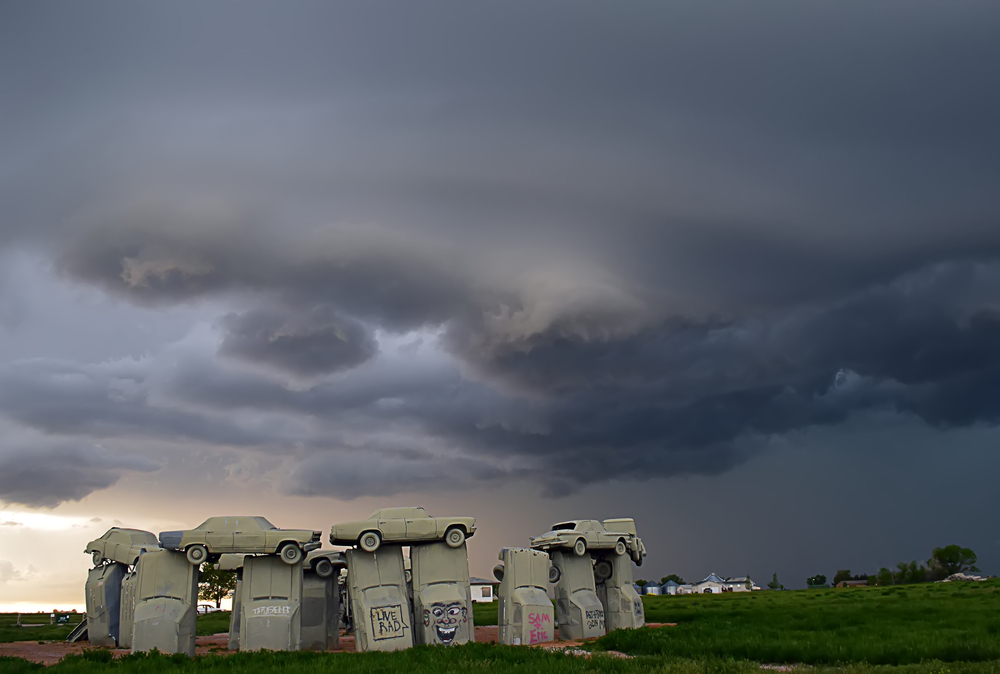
(485, 613)
(212, 623)
(10, 632)
(951, 622)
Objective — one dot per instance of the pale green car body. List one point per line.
(402, 526)
(240, 534)
(121, 545)
(583, 535)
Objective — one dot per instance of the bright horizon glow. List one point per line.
(42, 521)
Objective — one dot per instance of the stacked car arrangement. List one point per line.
(386, 600)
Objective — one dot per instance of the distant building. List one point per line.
(714, 584)
(483, 589)
(852, 583)
(669, 587)
(652, 588)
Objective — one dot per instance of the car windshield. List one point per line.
(565, 526)
(263, 523)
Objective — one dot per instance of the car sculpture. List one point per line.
(121, 545)
(402, 525)
(583, 535)
(325, 562)
(249, 535)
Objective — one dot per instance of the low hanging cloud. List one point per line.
(47, 474)
(308, 343)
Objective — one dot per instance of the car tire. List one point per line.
(97, 557)
(603, 570)
(555, 573)
(370, 540)
(290, 553)
(580, 547)
(637, 557)
(454, 537)
(197, 554)
(323, 568)
(620, 547)
(498, 572)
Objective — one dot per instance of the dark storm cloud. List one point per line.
(650, 237)
(309, 343)
(45, 474)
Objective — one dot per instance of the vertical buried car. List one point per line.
(240, 534)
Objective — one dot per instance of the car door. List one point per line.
(421, 528)
(250, 537)
(219, 538)
(393, 529)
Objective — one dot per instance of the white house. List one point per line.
(714, 584)
(483, 589)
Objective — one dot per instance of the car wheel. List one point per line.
(603, 570)
(290, 553)
(554, 574)
(454, 537)
(370, 540)
(197, 554)
(498, 572)
(580, 547)
(97, 557)
(620, 548)
(323, 568)
(637, 557)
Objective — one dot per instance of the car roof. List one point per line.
(392, 513)
(228, 521)
(134, 535)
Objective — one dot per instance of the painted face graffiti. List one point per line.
(446, 618)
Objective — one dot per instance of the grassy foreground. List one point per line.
(917, 629)
(949, 622)
(480, 658)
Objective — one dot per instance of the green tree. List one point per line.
(952, 559)
(818, 579)
(774, 584)
(884, 577)
(216, 585)
(674, 577)
(642, 582)
(842, 574)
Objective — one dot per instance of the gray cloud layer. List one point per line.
(646, 239)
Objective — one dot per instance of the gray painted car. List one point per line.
(240, 534)
(121, 545)
(403, 526)
(583, 535)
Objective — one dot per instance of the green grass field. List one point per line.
(916, 629)
(9, 631)
(951, 622)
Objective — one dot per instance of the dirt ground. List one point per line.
(51, 652)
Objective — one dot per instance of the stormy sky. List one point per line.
(730, 269)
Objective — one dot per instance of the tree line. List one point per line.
(944, 562)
